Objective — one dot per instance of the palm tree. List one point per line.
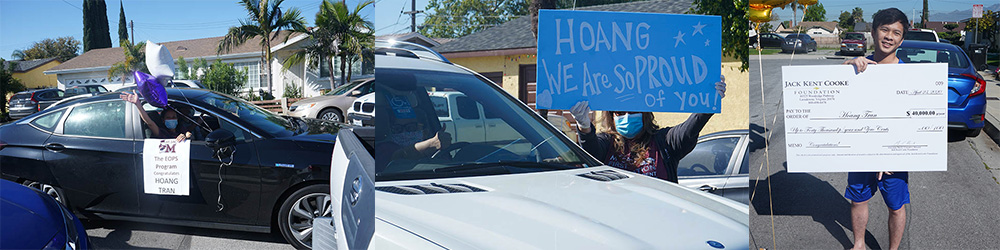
(264, 20)
(135, 60)
(338, 32)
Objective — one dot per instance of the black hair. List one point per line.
(890, 16)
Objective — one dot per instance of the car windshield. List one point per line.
(344, 88)
(490, 133)
(271, 123)
(954, 59)
(919, 36)
(795, 36)
(854, 36)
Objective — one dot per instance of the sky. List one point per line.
(910, 7)
(389, 18)
(23, 22)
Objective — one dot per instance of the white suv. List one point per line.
(524, 186)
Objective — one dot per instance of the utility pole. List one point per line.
(131, 26)
(413, 15)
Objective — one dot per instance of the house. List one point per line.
(506, 54)
(92, 67)
(863, 27)
(820, 28)
(939, 26)
(784, 27)
(30, 72)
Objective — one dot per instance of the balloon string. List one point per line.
(767, 158)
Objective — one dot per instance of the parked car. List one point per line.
(854, 43)
(921, 35)
(34, 220)
(966, 88)
(362, 112)
(90, 152)
(332, 105)
(90, 89)
(539, 190)
(29, 102)
(720, 164)
(185, 84)
(798, 42)
(767, 40)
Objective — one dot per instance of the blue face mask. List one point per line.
(629, 125)
(171, 124)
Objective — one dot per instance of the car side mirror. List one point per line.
(356, 93)
(219, 139)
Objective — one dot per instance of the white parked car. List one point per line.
(535, 190)
(362, 112)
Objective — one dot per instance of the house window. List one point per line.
(253, 73)
(324, 69)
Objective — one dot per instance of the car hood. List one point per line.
(314, 100)
(851, 41)
(318, 131)
(29, 218)
(562, 210)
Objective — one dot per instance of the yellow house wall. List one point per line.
(34, 78)
(735, 109)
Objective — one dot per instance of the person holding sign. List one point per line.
(890, 26)
(170, 128)
(631, 140)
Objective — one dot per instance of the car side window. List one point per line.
(367, 88)
(745, 167)
(102, 119)
(48, 121)
(708, 157)
(440, 106)
(467, 108)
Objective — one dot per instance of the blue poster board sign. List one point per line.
(629, 61)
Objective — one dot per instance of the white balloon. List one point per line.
(158, 61)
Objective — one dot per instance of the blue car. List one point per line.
(34, 220)
(967, 89)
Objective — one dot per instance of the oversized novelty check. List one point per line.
(892, 117)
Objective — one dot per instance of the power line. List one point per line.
(74, 6)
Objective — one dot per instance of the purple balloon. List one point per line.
(154, 92)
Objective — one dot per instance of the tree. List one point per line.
(795, 8)
(857, 15)
(951, 26)
(339, 32)
(135, 60)
(734, 26)
(845, 21)
(987, 27)
(766, 27)
(265, 20)
(8, 84)
(533, 10)
(122, 30)
(458, 18)
(63, 49)
(815, 13)
(96, 34)
(225, 78)
(182, 68)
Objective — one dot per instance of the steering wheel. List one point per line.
(445, 153)
(698, 168)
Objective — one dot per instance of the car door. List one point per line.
(91, 156)
(239, 199)
(738, 185)
(468, 120)
(352, 190)
(709, 165)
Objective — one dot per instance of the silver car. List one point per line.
(719, 165)
(333, 105)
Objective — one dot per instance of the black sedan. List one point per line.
(28, 102)
(767, 40)
(798, 42)
(250, 169)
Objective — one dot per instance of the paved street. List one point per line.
(956, 209)
(134, 235)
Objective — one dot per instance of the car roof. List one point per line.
(927, 45)
(403, 62)
(172, 93)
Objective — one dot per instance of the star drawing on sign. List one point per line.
(706, 42)
(679, 39)
(697, 28)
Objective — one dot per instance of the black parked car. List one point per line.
(90, 152)
(29, 102)
(768, 40)
(798, 42)
(92, 89)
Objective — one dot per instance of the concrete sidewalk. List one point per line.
(992, 105)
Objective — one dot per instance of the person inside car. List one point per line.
(410, 130)
(171, 127)
(631, 141)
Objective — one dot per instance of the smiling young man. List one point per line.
(890, 25)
